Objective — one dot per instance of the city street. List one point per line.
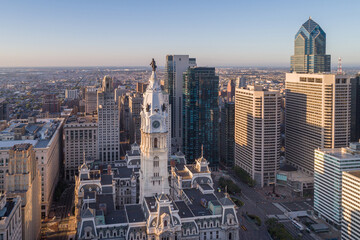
(256, 204)
(63, 224)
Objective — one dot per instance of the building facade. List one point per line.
(90, 100)
(310, 50)
(355, 108)
(10, 218)
(135, 102)
(176, 65)
(227, 134)
(45, 135)
(201, 114)
(108, 123)
(330, 164)
(71, 94)
(50, 103)
(4, 109)
(79, 137)
(317, 116)
(23, 179)
(350, 225)
(257, 132)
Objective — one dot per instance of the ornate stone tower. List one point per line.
(154, 149)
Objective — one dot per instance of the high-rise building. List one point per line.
(176, 65)
(350, 205)
(230, 91)
(90, 100)
(10, 215)
(257, 132)
(135, 102)
(310, 50)
(71, 94)
(227, 137)
(317, 115)
(329, 165)
(79, 137)
(23, 179)
(108, 123)
(201, 114)
(240, 82)
(154, 141)
(355, 108)
(141, 87)
(45, 136)
(50, 104)
(4, 110)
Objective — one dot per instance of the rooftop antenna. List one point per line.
(339, 70)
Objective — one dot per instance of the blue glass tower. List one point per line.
(310, 50)
(201, 114)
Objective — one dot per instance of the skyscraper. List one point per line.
(329, 165)
(201, 114)
(355, 108)
(227, 128)
(257, 132)
(350, 206)
(23, 179)
(4, 110)
(90, 100)
(317, 116)
(108, 123)
(176, 65)
(310, 50)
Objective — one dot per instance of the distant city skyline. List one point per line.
(115, 33)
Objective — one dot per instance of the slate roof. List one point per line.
(206, 186)
(106, 179)
(184, 210)
(118, 216)
(195, 197)
(134, 213)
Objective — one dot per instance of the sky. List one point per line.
(131, 32)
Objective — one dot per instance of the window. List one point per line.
(230, 236)
(155, 143)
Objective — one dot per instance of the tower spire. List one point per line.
(339, 70)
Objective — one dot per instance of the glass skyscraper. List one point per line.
(310, 50)
(201, 114)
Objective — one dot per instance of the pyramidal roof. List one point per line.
(310, 25)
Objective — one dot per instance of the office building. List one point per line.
(355, 108)
(176, 65)
(10, 218)
(135, 102)
(317, 116)
(23, 179)
(141, 87)
(108, 123)
(240, 82)
(45, 136)
(71, 94)
(329, 165)
(257, 132)
(227, 134)
(79, 137)
(350, 224)
(90, 100)
(4, 109)
(230, 91)
(50, 104)
(201, 114)
(310, 50)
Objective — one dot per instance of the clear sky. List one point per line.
(131, 32)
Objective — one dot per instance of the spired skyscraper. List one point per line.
(310, 50)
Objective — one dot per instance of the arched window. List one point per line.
(155, 143)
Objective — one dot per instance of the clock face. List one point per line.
(156, 124)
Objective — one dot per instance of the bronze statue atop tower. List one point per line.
(153, 65)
